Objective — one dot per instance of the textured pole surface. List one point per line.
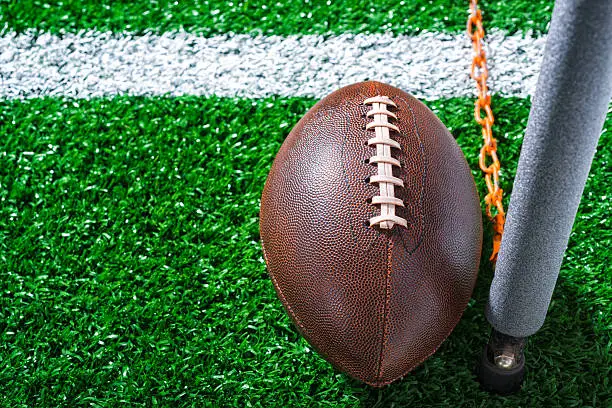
(569, 108)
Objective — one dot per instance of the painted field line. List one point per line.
(92, 64)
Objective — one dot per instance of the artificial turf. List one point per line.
(131, 271)
(269, 17)
(130, 267)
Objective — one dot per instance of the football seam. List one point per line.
(420, 228)
(389, 269)
(385, 334)
(453, 326)
(458, 319)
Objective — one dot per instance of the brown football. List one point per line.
(371, 230)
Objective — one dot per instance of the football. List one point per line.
(371, 230)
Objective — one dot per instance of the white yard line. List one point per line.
(91, 64)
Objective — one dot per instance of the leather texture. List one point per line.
(373, 302)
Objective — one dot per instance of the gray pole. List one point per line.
(569, 108)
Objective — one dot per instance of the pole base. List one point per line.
(502, 364)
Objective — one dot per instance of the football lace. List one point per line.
(386, 181)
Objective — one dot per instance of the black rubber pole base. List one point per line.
(499, 380)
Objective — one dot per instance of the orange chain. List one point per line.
(488, 152)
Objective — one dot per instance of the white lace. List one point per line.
(385, 179)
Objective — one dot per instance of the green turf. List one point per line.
(132, 272)
(270, 17)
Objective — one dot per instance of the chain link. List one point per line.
(488, 152)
